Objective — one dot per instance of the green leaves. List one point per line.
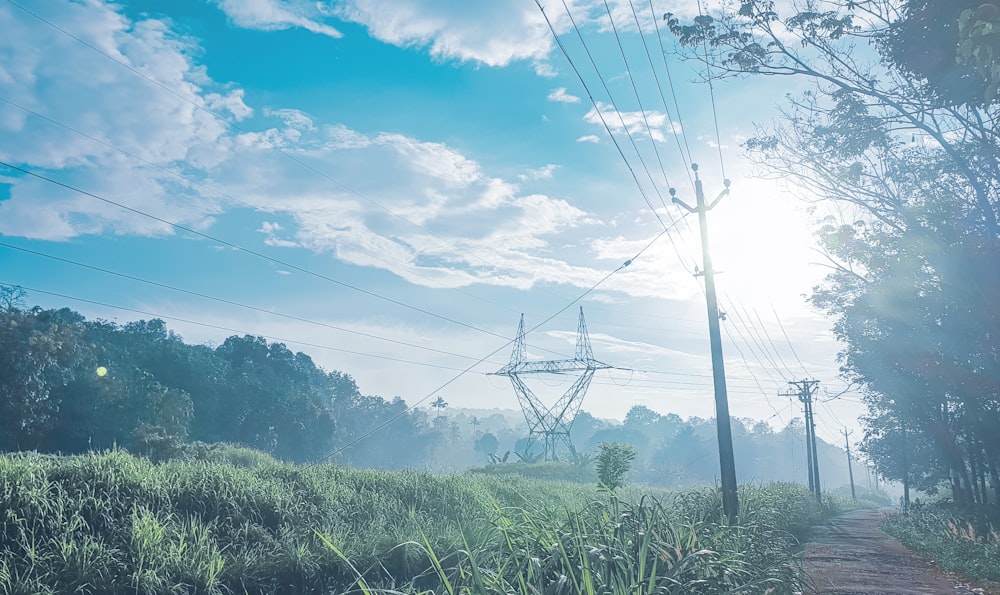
(613, 462)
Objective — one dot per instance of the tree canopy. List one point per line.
(896, 146)
(70, 385)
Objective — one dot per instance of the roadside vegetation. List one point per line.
(242, 522)
(958, 540)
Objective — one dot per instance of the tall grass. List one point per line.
(113, 523)
(958, 541)
(676, 543)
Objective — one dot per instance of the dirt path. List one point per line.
(852, 556)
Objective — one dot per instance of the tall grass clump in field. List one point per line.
(114, 523)
(238, 522)
(957, 540)
(618, 544)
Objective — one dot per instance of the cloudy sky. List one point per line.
(388, 185)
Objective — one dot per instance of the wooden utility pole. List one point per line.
(727, 461)
(805, 391)
(850, 468)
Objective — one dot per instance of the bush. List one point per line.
(613, 461)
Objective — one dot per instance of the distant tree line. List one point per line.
(69, 385)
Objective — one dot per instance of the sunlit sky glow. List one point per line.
(418, 172)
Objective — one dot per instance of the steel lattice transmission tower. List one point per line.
(552, 424)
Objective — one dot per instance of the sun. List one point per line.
(762, 245)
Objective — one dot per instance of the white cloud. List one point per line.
(562, 96)
(58, 78)
(633, 123)
(589, 138)
(542, 173)
(272, 15)
(490, 33)
(421, 210)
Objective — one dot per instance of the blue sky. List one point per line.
(419, 172)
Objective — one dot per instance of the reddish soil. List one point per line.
(852, 556)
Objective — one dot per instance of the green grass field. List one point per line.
(243, 523)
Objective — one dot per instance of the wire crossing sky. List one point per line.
(389, 185)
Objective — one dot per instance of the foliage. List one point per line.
(614, 460)
(979, 45)
(672, 544)
(104, 523)
(155, 393)
(904, 178)
(545, 470)
(111, 522)
(955, 540)
(168, 400)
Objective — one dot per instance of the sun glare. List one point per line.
(762, 246)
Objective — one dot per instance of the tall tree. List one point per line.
(902, 161)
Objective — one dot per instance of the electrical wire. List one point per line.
(228, 302)
(226, 122)
(711, 92)
(257, 254)
(191, 180)
(673, 93)
(597, 109)
(220, 327)
(509, 342)
(638, 99)
(607, 127)
(787, 340)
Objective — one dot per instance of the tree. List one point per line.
(439, 404)
(979, 47)
(487, 444)
(901, 164)
(640, 416)
(614, 459)
(41, 353)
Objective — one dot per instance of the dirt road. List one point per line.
(852, 556)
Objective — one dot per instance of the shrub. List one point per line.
(613, 461)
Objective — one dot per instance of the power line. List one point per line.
(787, 340)
(219, 327)
(659, 86)
(746, 365)
(711, 92)
(256, 253)
(673, 93)
(607, 127)
(597, 108)
(227, 301)
(230, 124)
(763, 327)
(635, 89)
(383, 425)
(673, 385)
(188, 179)
(755, 335)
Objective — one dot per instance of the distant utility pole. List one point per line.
(727, 461)
(850, 468)
(805, 390)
